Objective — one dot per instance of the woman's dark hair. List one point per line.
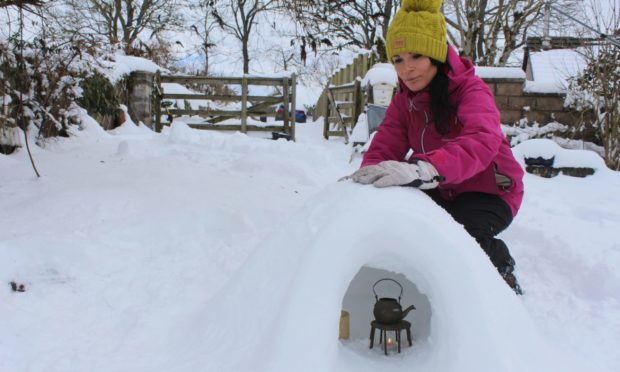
(441, 107)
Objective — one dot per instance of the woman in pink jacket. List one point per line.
(442, 134)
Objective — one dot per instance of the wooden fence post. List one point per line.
(157, 101)
(287, 103)
(244, 104)
(294, 102)
(326, 111)
(358, 99)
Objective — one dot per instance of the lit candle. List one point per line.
(391, 344)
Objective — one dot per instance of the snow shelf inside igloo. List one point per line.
(359, 302)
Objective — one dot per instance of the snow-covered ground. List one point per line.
(196, 250)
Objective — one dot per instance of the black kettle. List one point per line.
(388, 310)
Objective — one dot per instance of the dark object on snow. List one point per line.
(544, 168)
(539, 162)
(17, 287)
(383, 328)
(388, 310)
(549, 172)
(277, 136)
(541, 167)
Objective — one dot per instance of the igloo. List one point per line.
(281, 312)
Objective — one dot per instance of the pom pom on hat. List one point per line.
(418, 27)
(432, 6)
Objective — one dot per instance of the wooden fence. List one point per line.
(343, 101)
(251, 105)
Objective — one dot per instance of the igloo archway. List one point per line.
(359, 302)
(282, 310)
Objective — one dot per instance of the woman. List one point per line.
(442, 134)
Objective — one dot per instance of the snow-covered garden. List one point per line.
(192, 250)
(125, 249)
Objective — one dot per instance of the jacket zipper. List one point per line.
(424, 132)
(412, 107)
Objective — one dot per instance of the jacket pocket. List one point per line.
(502, 181)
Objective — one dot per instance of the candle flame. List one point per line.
(389, 340)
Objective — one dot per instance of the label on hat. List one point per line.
(399, 43)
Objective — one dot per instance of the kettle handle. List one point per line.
(380, 280)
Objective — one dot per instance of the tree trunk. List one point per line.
(246, 55)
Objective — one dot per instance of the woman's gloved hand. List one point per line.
(421, 174)
(365, 175)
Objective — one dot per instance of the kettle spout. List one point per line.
(407, 310)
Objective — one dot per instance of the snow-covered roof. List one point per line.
(551, 70)
(500, 72)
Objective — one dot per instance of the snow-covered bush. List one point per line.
(597, 89)
(522, 131)
(100, 99)
(39, 84)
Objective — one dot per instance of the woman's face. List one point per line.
(415, 70)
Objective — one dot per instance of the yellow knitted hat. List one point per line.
(418, 27)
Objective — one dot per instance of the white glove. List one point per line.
(366, 175)
(422, 174)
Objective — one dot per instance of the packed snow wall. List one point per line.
(281, 312)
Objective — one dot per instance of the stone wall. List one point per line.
(512, 102)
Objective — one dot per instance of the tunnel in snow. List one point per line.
(281, 310)
(359, 302)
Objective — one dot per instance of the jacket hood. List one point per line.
(460, 70)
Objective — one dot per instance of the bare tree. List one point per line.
(120, 21)
(204, 28)
(238, 18)
(337, 24)
(597, 88)
(27, 5)
(489, 31)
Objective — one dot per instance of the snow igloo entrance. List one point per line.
(359, 302)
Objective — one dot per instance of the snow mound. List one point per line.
(283, 308)
(129, 127)
(547, 149)
(180, 132)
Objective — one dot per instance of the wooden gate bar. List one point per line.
(259, 105)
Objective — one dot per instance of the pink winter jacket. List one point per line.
(470, 155)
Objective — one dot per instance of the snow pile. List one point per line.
(119, 65)
(548, 149)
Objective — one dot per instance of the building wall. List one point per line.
(513, 103)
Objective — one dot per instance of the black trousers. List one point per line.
(483, 216)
